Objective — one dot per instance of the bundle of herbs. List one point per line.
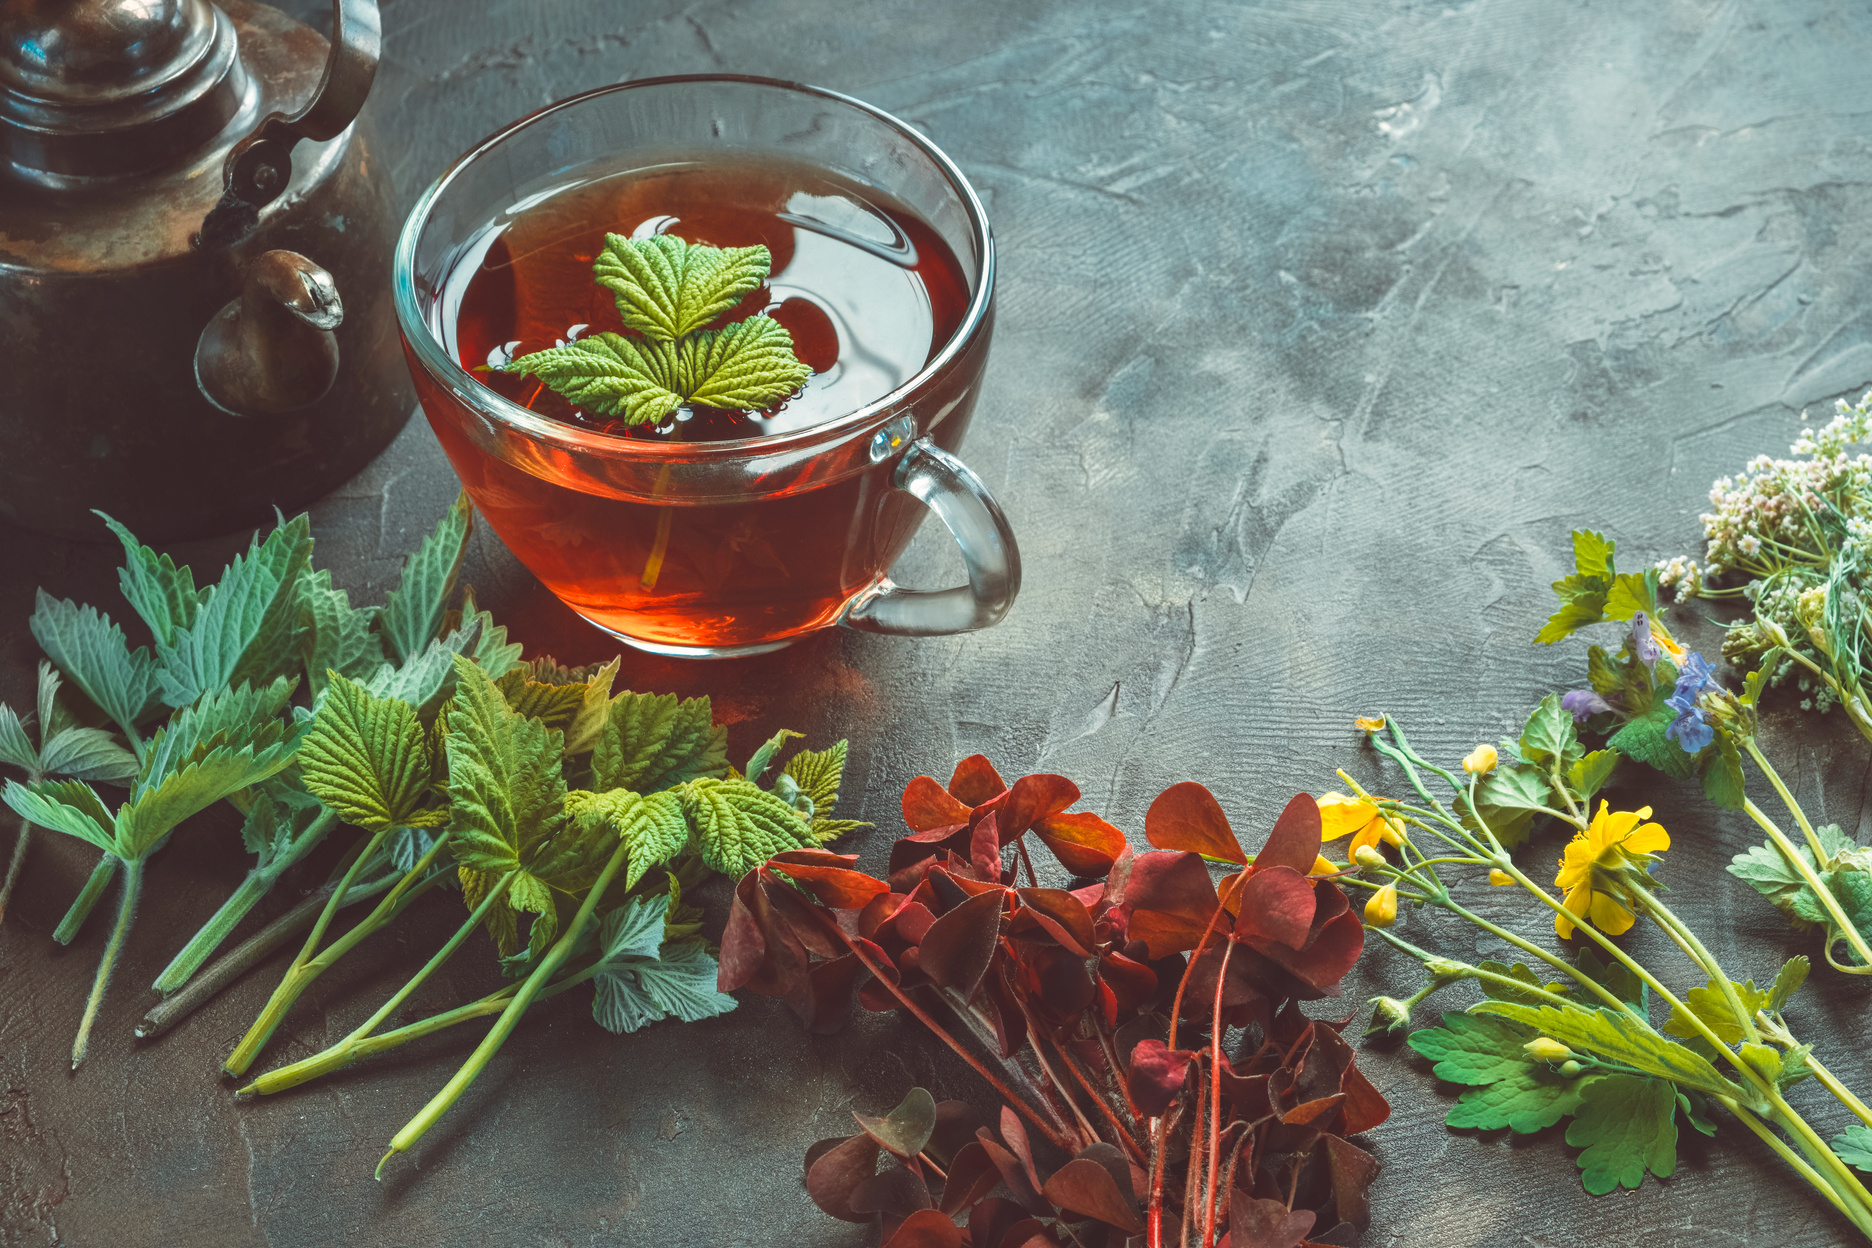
(1101, 1015)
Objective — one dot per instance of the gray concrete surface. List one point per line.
(1320, 325)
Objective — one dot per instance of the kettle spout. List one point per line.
(272, 350)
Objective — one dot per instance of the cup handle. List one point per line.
(948, 487)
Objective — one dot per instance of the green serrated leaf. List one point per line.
(411, 616)
(819, 774)
(368, 759)
(1787, 982)
(1723, 782)
(738, 825)
(1581, 603)
(763, 757)
(575, 701)
(1615, 977)
(16, 746)
(748, 365)
(1536, 992)
(652, 828)
(1631, 593)
(1642, 737)
(1548, 738)
(506, 791)
(244, 716)
(1592, 554)
(85, 754)
(1506, 1087)
(1521, 787)
(666, 287)
(610, 375)
(163, 594)
(67, 806)
(1473, 1049)
(1626, 1125)
(248, 627)
(1590, 774)
(1620, 1038)
(336, 635)
(1709, 1004)
(91, 653)
(634, 929)
(158, 806)
(1602, 673)
(1854, 1147)
(492, 651)
(652, 742)
(681, 983)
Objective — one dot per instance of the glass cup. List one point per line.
(712, 549)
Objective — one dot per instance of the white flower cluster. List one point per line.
(1683, 573)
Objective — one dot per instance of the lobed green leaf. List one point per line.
(161, 593)
(1627, 1125)
(651, 742)
(411, 616)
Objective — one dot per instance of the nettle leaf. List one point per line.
(92, 654)
(738, 825)
(411, 616)
(1549, 739)
(610, 375)
(1590, 774)
(643, 977)
(818, 775)
(67, 806)
(163, 594)
(1620, 1038)
(85, 754)
(278, 816)
(652, 828)
(1723, 782)
(492, 651)
(574, 700)
(156, 807)
(1627, 1125)
(763, 757)
(248, 627)
(336, 635)
(1507, 1088)
(1854, 1147)
(667, 287)
(1709, 1004)
(16, 746)
(1642, 737)
(368, 759)
(506, 790)
(652, 742)
(748, 365)
(1787, 982)
(428, 680)
(1517, 788)
(246, 715)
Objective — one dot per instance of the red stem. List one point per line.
(1154, 1215)
(1124, 1133)
(1215, 1097)
(1020, 848)
(923, 1017)
(1176, 1006)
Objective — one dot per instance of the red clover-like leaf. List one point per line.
(838, 1172)
(1187, 816)
(958, 946)
(906, 1128)
(1276, 904)
(1295, 840)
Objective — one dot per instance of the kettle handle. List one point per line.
(260, 165)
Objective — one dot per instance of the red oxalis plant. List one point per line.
(1100, 1014)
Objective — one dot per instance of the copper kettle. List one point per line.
(195, 238)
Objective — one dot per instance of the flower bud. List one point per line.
(1498, 877)
(1545, 1049)
(1447, 968)
(1390, 1017)
(1481, 760)
(1381, 910)
(1571, 1068)
(1369, 857)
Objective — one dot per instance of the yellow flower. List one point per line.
(1323, 865)
(1340, 814)
(1671, 648)
(1498, 877)
(1381, 910)
(1369, 723)
(1613, 840)
(1481, 760)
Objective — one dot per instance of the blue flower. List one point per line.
(1691, 730)
(1583, 704)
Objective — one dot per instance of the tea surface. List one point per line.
(868, 291)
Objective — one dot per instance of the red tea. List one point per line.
(868, 290)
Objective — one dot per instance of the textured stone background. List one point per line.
(1321, 324)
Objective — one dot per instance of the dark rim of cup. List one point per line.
(414, 323)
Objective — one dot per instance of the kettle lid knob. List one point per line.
(95, 88)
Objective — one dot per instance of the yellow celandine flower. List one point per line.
(1323, 865)
(1369, 723)
(1611, 841)
(1481, 760)
(1498, 877)
(1340, 814)
(1381, 910)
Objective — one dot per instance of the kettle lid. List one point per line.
(98, 88)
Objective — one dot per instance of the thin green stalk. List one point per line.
(1828, 901)
(1841, 1093)
(1799, 1164)
(88, 896)
(126, 913)
(14, 864)
(1787, 799)
(510, 1017)
(1847, 1182)
(1701, 957)
(258, 883)
(231, 965)
(307, 967)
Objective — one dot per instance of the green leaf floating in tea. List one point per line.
(666, 290)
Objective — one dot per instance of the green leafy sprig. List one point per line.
(667, 290)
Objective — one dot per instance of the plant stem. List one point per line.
(1787, 799)
(126, 913)
(67, 930)
(1794, 1159)
(510, 1017)
(307, 968)
(15, 863)
(1840, 1091)
(1849, 933)
(1215, 1098)
(250, 953)
(259, 881)
(1703, 958)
